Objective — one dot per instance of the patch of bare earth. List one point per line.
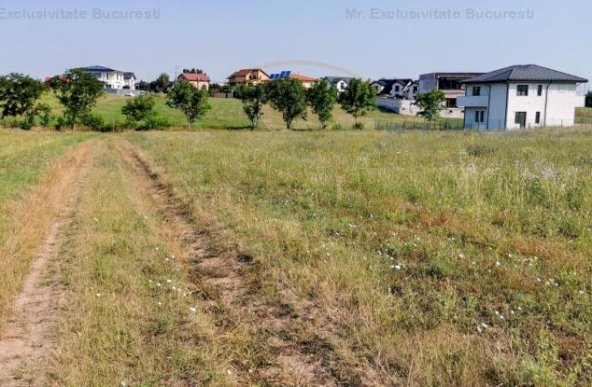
(28, 336)
(229, 283)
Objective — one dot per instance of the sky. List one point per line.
(370, 38)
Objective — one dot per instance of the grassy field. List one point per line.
(302, 258)
(584, 116)
(456, 259)
(228, 114)
(27, 164)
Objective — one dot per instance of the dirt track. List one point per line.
(29, 335)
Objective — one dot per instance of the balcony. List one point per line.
(472, 101)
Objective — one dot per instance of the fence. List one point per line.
(419, 125)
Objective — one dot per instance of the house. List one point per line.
(410, 91)
(383, 86)
(340, 83)
(200, 81)
(306, 81)
(129, 80)
(248, 76)
(522, 96)
(113, 79)
(451, 84)
(400, 88)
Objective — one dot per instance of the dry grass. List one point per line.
(431, 258)
(29, 201)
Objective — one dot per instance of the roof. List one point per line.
(526, 73)
(99, 69)
(467, 74)
(388, 84)
(244, 73)
(302, 78)
(193, 77)
(129, 75)
(336, 80)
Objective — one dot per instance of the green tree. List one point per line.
(139, 108)
(288, 97)
(253, 99)
(78, 92)
(322, 97)
(191, 101)
(18, 95)
(193, 71)
(358, 99)
(431, 104)
(589, 99)
(162, 84)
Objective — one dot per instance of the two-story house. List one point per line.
(521, 96)
(200, 81)
(248, 76)
(113, 79)
(341, 83)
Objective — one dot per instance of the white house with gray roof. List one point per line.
(522, 96)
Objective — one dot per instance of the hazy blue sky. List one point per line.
(223, 35)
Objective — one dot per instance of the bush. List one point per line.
(152, 123)
(139, 108)
(92, 121)
(25, 124)
(62, 122)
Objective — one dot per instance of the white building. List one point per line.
(130, 80)
(522, 96)
(113, 79)
(340, 83)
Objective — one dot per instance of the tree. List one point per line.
(18, 95)
(253, 99)
(193, 71)
(162, 84)
(139, 108)
(322, 97)
(358, 99)
(193, 102)
(589, 99)
(431, 104)
(78, 92)
(287, 96)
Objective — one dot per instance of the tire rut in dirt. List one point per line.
(228, 282)
(28, 338)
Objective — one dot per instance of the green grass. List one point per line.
(440, 258)
(23, 159)
(228, 114)
(584, 116)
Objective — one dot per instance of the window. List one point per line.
(537, 120)
(523, 90)
(476, 91)
(520, 119)
(415, 89)
(540, 91)
(480, 116)
(451, 103)
(397, 89)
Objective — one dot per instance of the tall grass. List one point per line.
(435, 258)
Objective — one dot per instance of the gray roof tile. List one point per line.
(526, 73)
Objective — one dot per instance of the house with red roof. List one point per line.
(199, 80)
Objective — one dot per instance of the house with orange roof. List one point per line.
(200, 81)
(248, 76)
